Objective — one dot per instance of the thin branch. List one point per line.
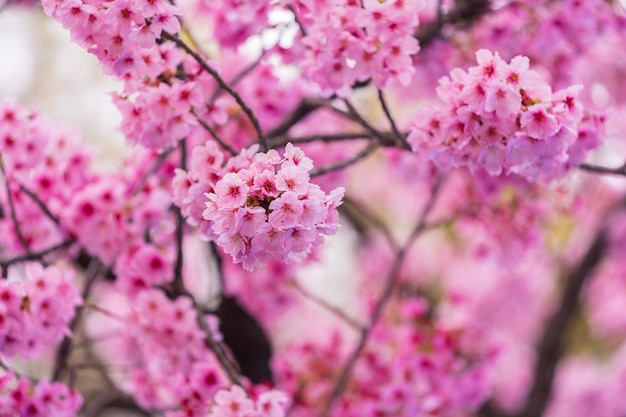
(239, 76)
(41, 205)
(219, 265)
(390, 282)
(65, 348)
(371, 147)
(16, 224)
(400, 138)
(35, 256)
(159, 161)
(604, 170)
(326, 305)
(362, 211)
(333, 137)
(354, 115)
(178, 284)
(217, 348)
(304, 108)
(223, 84)
(113, 399)
(215, 135)
(465, 13)
(220, 353)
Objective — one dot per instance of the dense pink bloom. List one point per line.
(501, 118)
(36, 311)
(259, 206)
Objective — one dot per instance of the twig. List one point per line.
(361, 210)
(215, 135)
(354, 115)
(65, 348)
(223, 84)
(552, 343)
(304, 108)
(326, 305)
(401, 139)
(41, 205)
(390, 282)
(177, 283)
(113, 399)
(604, 170)
(239, 76)
(218, 350)
(465, 12)
(333, 137)
(155, 167)
(371, 147)
(34, 256)
(16, 224)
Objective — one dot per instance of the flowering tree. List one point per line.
(444, 162)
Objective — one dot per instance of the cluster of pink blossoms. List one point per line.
(235, 403)
(501, 118)
(234, 21)
(35, 313)
(121, 33)
(46, 399)
(165, 346)
(410, 367)
(349, 41)
(45, 158)
(260, 206)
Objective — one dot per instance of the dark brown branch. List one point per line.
(16, 224)
(552, 342)
(113, 399)
(306, 107)
(177, 283)
(333, 137)
(65, 347)
(36, 256)
(399, 137)
(215, 135)
(223, 84)
(604, 170)
(465, 13)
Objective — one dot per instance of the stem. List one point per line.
(604, 170)
(371, 147)
(178, 284)
(34, 256)
(390, 282)
(401, 139)
(65, 348)
(215, 135)
(333, 137)
(224, 85)
(41, 205)
(326, 305)
(16, 225)
(551, 346)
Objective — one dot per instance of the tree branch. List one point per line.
(223, 84)
(390, 282)
(552, 343)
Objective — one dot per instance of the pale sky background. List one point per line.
(41, 68)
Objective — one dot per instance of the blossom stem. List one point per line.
(390, 283)
(224, 85)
